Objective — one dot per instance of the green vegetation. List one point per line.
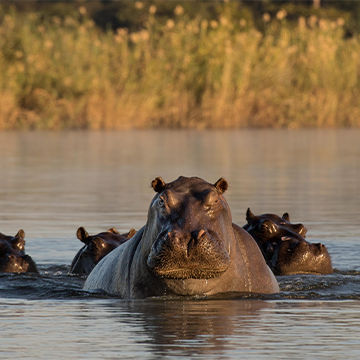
(218, 71)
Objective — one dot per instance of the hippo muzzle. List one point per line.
(18, 264)
(193, 255)
(296, 257)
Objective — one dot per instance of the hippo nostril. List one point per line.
(190, 246)
(201, 233)
(173, 238)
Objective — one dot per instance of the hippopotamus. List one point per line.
(95, 248)
(12, 254)
(188, 247)
(284, 246)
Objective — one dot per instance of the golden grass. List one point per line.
(67, 74)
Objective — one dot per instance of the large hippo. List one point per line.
(95, 248)
(188, 246)
(284, 246)
(12, 254)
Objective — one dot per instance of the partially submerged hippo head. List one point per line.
(284, 246)
(189, 246)
(190, 222)
(12, 254)
(95, 248)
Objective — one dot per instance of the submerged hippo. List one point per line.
(284, 247)
(95, 248)
(12, 254)
(188, 246)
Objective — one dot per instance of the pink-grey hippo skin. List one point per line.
(188, 246)
(284, 246)
(96, 247)
(12, 255)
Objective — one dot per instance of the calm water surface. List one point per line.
(52, 183)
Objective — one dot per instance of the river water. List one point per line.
(52, 183)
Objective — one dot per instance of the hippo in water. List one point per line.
(284, 247)
(12, 254)
(95, 248)
(188, 246)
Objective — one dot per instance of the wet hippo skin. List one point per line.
(284, 246)
(96, 247)
(12, 254)
(188, 246)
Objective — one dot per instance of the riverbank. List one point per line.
(187, 73)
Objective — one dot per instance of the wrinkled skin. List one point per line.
(96, 247)
(12, 254)
(188, 246)
(284, 246)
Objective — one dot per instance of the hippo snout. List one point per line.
(186, 243)
(320, 249)
(198, 254)
(14, 263)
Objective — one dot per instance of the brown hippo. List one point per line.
(284, 247)
(12, 254)
(188, 246)
(95, 248)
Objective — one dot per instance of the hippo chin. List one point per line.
(188, 246)
(284, 247)
(12, 254)
(96, 247)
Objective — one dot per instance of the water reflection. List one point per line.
(188, 328)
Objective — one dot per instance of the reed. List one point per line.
(187, 73)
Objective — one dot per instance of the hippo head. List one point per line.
(190, 232)
(270, 227)
(95, 248)
(298, 256)
(12, 254)
(284, 246)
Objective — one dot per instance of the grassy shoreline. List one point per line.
(187, 73)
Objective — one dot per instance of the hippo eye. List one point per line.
(211, 199)
(268, 227)
(161, 202)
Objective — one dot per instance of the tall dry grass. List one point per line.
(65, 73)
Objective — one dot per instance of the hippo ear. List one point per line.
(158, 184)
(82, 234)
(221, 186)
(113, 231)
(131, 233)
(250, 217)
(286, 217)
(20, 234)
